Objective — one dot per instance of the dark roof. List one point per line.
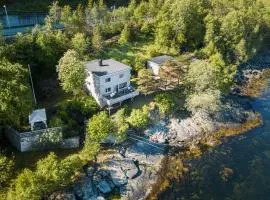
(107, 67)
(161, 59)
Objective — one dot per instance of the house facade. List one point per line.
(155, 63)
(108, 81)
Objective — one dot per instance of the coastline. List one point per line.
(251, 87)
(143, 172)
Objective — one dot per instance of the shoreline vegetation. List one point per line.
(208, 40)
(173, 168)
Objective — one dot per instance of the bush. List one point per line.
(71, 114)
(98, 127)
(56, 121)
(208, 101)
(164, 103)
(50, 175)
(139, 118)
(140, 62)
(6, 168)
(120, 124)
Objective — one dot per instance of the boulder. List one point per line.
(104, 187)
(118, 177)
(85, 190)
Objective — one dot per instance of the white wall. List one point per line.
(115, 81)
(155, 67)
(97, 86)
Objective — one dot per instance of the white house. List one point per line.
(155, 63)
(108, 81)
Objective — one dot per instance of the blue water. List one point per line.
(20, 22)
(239, 169)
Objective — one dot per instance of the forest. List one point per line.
(221, 34)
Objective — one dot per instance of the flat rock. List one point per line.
(132, 173)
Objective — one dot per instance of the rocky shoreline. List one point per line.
(132, 170)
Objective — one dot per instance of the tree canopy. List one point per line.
(15, 94)
(71, 72)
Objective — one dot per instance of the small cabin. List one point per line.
(38, 119)
(155, 63)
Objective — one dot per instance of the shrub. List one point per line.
(120, 124)
(208, 101)
(98, 127)
(6, 168)
(139, 118)
(50, 175)
(164, 103)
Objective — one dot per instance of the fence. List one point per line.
(41, 139)
(21, 20)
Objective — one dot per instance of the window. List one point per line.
(122, 85)
(108, 89)
(121, 75)
(107, 80)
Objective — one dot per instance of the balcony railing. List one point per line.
(120, 96)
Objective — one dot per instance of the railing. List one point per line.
(110, 101)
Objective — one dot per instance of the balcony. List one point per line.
(126, 93)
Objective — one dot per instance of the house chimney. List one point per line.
(100, 62)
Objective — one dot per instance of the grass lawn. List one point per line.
(127, 53)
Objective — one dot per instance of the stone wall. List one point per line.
(50, 138)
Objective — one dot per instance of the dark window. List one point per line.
(121, 75)
(122, 85)
(107, 80)
(108, 89)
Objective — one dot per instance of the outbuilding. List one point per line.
(38, 119)
(155, 63)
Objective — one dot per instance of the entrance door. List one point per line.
(116, 88)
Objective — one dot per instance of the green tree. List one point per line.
(208, 101)
(71, 72)
(146, 82)
(120, 123)
(203, 75)
(50, 174)
(6, 168)
(81, 44)
(125, 35)
(164, 103)
(51, 45)
(26, 186)
(97, 39)
(172, 73)
(15, 95)
(73, 21)
(139, 118)
(98, 128)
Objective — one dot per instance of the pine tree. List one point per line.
(172, 72)
(97, 39)
(147, 83)
(125, 35)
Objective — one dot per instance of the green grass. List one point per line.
(127, 53)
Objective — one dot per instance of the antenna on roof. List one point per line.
(32, 85)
